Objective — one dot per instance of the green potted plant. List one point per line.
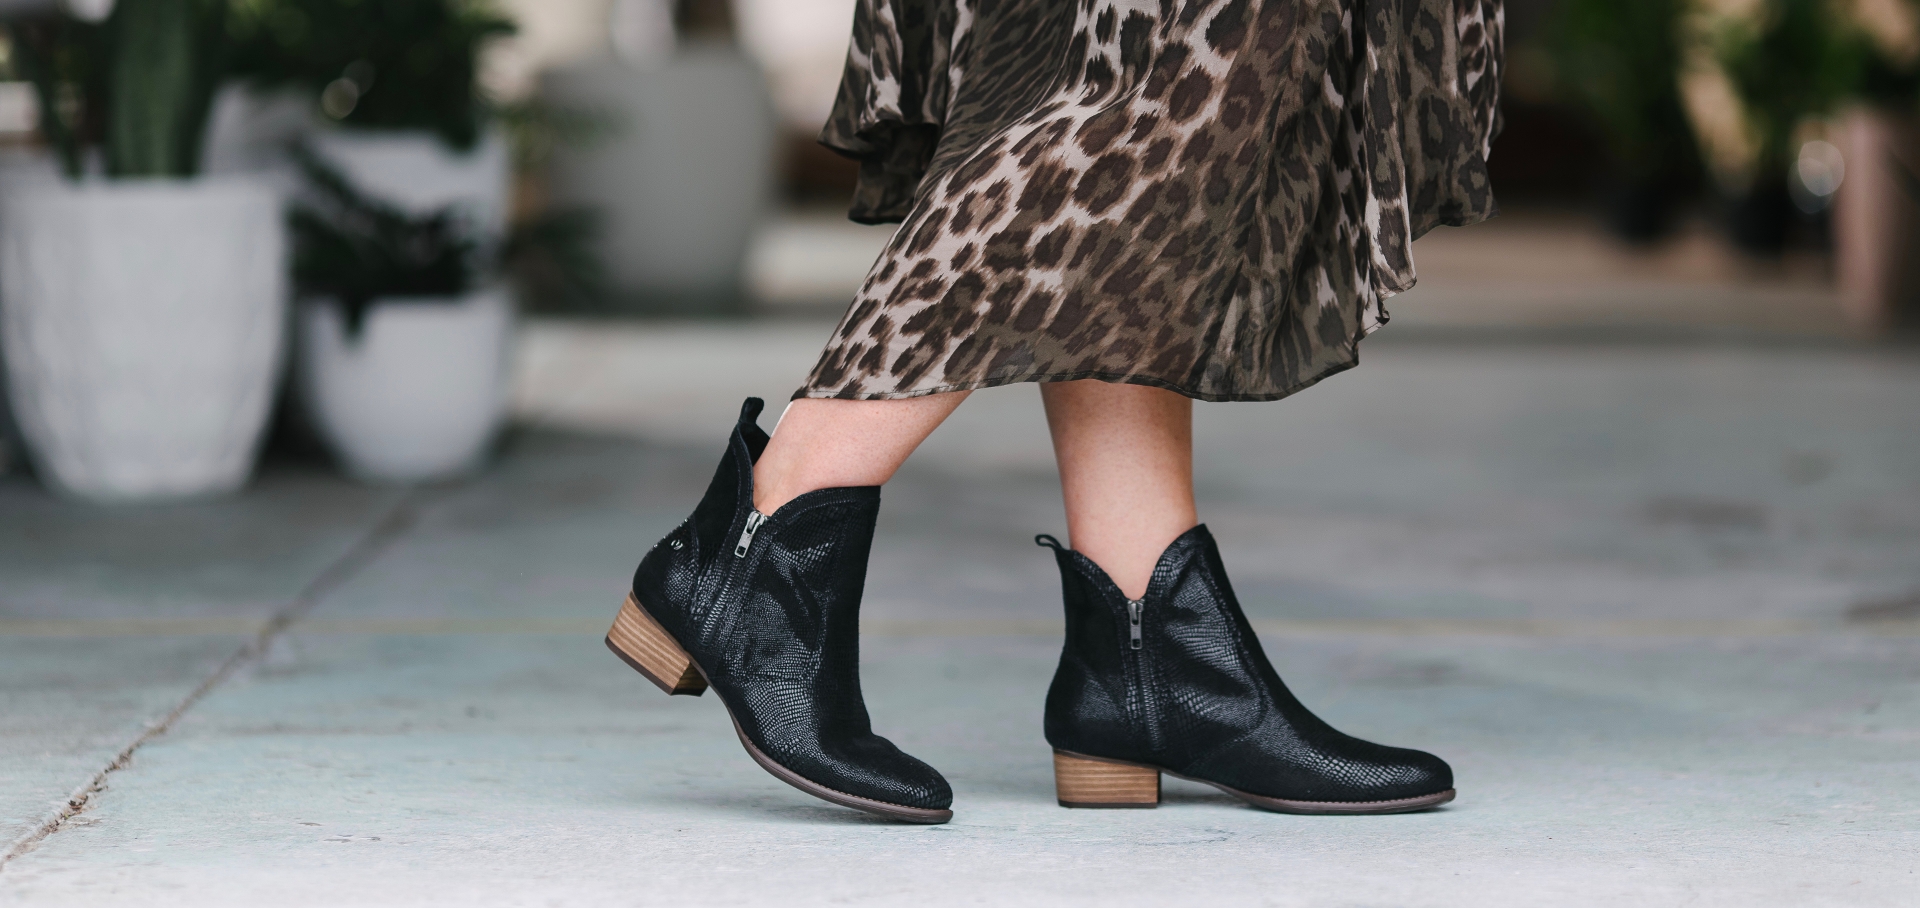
(394, 65)
(396, 82)
(141, 303)
(1619, 61)
(403, 347)
(402, 320)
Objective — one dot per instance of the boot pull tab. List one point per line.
(1049, 542)
(750, 410)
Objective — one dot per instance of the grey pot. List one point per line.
(682, 177)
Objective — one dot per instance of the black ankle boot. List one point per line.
(766, 610)
(1176, 682)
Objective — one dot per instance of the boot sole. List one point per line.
(642, 643)
(1083, 781)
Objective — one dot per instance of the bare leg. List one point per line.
(1126, 468)
(828, 444)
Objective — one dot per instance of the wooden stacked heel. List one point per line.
(642, 643)
(1090, 782)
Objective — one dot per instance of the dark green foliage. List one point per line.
(168, 58)
(1878, 80)
(1798, 62)
(1885, 83)
(389, 64)
(62, 58)
(140, 86)
(551, 256)
(535, 128)
(1619, 60)
(552, 260)
(356, 249)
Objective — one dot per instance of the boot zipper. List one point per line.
(754, 520)
(1140, 697)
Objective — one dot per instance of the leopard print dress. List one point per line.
(1209, 196)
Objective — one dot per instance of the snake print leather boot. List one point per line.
(765, 609)
(1176, 682)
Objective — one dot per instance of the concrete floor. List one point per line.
(1659, 604)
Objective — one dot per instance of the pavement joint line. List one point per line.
(391, 526)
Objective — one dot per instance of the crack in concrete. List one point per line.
(391, 526)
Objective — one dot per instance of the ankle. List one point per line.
(772, 487)
(1129, 571)
(1130, 557)
(776, 482)
(780, 479)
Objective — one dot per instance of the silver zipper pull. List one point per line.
(754, 520)
(1134, 606)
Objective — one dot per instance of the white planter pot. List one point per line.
(18, 167)
(142, 324)
(419, 394)
(417, 173)
(249, 129)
